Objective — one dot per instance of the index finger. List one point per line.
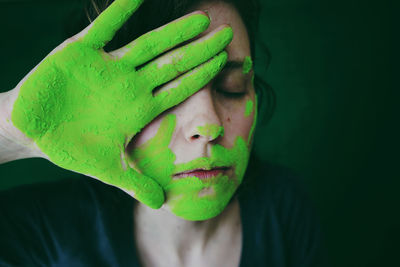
(104, 27)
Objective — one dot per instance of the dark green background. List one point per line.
(336, 121)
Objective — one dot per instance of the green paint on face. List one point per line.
(156, 151)
(211, 130)
(81, 106)
(247, 65)
(249, 108)
(191, 198)
(200, 199)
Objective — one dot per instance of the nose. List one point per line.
(203, 122)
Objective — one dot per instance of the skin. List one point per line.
(212, 128)
(192, 198)
(192, 133)
(161, 237)
(81, 106)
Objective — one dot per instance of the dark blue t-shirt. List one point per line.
(83, 222)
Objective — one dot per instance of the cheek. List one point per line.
(148, 132)
(150, 153)
(238, 118)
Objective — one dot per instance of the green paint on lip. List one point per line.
(196, 199)
(200, 163)
(211, 130)
(247, 65)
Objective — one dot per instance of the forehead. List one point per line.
(224, 13)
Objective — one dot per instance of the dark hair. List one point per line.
(155, 13)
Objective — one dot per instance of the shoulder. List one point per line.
(59, 196)
(284, 213)
(55, 221)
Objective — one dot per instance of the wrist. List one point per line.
(13, 143)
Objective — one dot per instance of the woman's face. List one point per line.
(198, 150)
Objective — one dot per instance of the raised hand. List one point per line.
(81, 106)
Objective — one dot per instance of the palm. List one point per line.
(93, 107)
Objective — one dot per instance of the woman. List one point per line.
(167, 118)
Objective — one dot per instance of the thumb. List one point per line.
(146, 190)
(137, 185)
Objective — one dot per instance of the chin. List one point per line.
(196, 199)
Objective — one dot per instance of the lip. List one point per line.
(202, 173)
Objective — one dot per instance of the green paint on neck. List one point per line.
(211, 130)
(247, 65)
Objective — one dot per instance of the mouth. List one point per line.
(202, 173)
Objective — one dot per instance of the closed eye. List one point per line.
(230, 94)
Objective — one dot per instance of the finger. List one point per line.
(169, 66)
(147, 190)
(180, 89)
(153, 43)
(104, 27)
(137, 185)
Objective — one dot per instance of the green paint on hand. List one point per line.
(156, 151)
(82, 107)
(109, 21)
(211, 130)
(249, 108)
(247, 65)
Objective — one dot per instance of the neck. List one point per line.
(159, 229)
